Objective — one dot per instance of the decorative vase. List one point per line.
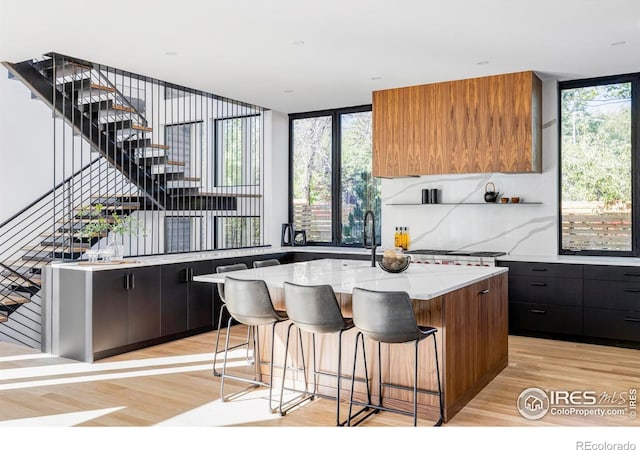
(115, 249)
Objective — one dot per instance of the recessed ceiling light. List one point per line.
(376, 78)
(297, 43)
(482, 63)
(170, 53)
(618, 43)
(288, 91)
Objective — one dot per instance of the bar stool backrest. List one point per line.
(313, 308)
(384, 316)
(229, 268)
(249, 302)
(265, 263)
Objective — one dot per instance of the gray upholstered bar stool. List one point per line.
(265, 263)
(224, 269)
(314, 309)
(388, 317)
(249, 302)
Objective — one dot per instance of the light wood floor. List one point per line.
(172, 384)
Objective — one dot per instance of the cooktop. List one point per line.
(455, 253)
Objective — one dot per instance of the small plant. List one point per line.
(126, 225)
(95, 228)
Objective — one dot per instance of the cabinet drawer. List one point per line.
(556, 291)
(543, 269)
(611, 324)
(612, 295)
(612, 273)
(545, 318)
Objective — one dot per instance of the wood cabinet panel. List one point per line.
(488, 124)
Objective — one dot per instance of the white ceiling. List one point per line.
(327, 51)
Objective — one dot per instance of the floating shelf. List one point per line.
(463, 203)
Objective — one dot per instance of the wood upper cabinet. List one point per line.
(488, 124)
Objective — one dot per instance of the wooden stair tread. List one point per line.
(175, 163)
(226, 194)
(123, 108)
(11, 299)
(161, 146)
(191, 179)
(3, 318)
(24, 264)
(33, 279)
(102, 87)
(141, 128)
(52, 248)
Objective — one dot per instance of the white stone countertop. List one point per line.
(204, 256)
(421, 281)
(571, 259)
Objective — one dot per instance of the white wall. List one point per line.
(26, 150)
(515, 229)
(276, 166)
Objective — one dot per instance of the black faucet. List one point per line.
(373, 235)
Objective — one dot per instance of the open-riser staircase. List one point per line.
(131, 169)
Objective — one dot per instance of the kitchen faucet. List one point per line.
(368, 214)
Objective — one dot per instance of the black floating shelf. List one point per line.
(463, 203)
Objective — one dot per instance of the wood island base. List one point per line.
(472, 341)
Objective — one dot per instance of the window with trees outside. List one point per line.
(331, 183)
(598, 170)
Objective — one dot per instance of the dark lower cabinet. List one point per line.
(126, 307)
(186, 304)
(110, 310)
(612, 324)
(546, 318)
(201, 311)
(144, 304)
(594, 302)
(174, 309)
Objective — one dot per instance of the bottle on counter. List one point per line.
(396, 238)
(404, 238)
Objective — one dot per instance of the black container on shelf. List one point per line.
(426, 197)
(433, 196)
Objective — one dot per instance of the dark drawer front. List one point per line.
(624, 325)
(612, 273)
(543, 269)
(556, 291)
(545, 318)
(612, 295)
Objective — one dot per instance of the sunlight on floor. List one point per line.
(253, 406)
(237, 358)
(77, 367)
(60, 420)
(25, 357)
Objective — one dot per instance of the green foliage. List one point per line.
(100, 226)
(126, 225)
(596, 144)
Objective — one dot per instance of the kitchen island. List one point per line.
(468, 306)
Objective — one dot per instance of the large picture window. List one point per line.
(331, 182)
(598, 169)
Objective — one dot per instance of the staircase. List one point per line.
(131, 169)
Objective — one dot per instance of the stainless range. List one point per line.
(454, 257)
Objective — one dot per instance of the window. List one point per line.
(182, 234)
(598, 168)
(238, 232)
(330, 182)
(185, 147)
(238, 151)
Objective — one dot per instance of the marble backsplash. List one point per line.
(463, 221)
